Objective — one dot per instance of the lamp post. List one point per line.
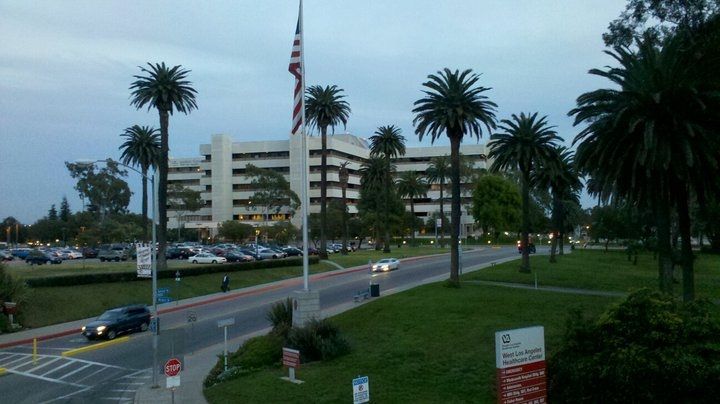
(153, 259)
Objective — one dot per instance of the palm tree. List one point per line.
(652, 141)
(387, 143)
(166, 90)
(438, 172)
(324, 106)
(455, 105)
(141, 148)
(411, 185)
(525, 143)
(372, 195)
(559, 174)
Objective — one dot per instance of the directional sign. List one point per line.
(192, 316)
(226, 323)
(163, 299)
(163, 291)
(172, 367)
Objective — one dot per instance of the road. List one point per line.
(114, 373)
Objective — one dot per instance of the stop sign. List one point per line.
(172, 367)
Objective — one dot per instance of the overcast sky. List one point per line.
(65, 69)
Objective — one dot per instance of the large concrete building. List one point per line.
(219, 174)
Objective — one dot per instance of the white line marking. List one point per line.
(67, 395)
(68, 363)
(47, 379)
(44, 364)
(91, 374)
(7, 364)
(74, 371)
(132, 383)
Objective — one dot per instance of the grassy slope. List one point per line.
(430, 344)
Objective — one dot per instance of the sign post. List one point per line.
(225, 324)
(172, 372)
(361, 390)
(520, 363)
(291, 359)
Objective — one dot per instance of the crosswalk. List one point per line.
(74, 378)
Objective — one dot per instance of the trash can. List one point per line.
(374, 289)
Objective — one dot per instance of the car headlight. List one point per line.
(101, 328)
(82, 329)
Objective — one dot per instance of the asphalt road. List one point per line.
(114, 373)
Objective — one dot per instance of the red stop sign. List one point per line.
(172, 367)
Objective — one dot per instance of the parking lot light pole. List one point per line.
(153, 259)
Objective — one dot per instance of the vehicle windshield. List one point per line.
(384, 261)
(109, 315)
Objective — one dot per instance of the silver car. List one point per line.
(386, 264)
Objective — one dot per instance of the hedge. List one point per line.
(87, 279)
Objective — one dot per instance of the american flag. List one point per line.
(296, 69)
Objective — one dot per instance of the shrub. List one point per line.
(649, 348)
(4, 323)
(318, 340)
(280, 316)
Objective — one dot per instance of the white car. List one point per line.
(207, 258)
(268, 253)
(72, 254)
(386, 264)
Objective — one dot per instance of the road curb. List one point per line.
(95, 346)
(2, 371)
(40, 338)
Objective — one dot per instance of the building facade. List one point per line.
(219, 175)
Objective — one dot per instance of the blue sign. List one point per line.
(163, 299)
(361, 390)
(162, 291)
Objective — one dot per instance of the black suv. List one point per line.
(117, 321)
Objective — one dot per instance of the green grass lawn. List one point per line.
(429, 344)
(599, 270)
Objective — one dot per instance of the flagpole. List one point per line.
(305, 182)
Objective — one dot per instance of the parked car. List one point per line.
(266, 253)
(21, 252)
(117, 321)
(113, 255)
(6, 256)
(386, 264)
(237, 256)
(207, 258)
(292, 251)
(89, 252)
(178, 253)
(313, 251)
(72, 254)
(251, 253)
(38, 257)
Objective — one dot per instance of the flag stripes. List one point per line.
(296, 69)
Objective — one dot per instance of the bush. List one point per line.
(280, 316)
(649, 348)
(318, 340)
(4, 323)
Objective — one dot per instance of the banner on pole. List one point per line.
(144, 261)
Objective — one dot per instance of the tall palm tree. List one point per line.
(454, 105)
(141, 148)
(165, 89)
(524, 143)
(411, 185)
(559, 174)
(325, 107)
(387, 143)
(438, 172)
(372, 195)
(652, 141)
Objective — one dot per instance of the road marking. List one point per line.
(68, 363)
(91, 374)
(95, 346)
(67, 395)
(45, 364)
(2, 371)
(74, 371)
(22, 358)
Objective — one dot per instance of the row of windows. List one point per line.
(261, 218)
(183, 169)
(260, 155)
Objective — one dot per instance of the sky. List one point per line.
(66, 68)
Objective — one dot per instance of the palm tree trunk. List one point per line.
(412, 211)
(665, 267)
(455, 209)
(687, 257)
(162, 190)
(344, 222)
(323, 194)
(525, 263)
(442, 214)
(556, 233)
(386, 209)
(144, 203)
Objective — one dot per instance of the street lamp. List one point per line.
(153, 257)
